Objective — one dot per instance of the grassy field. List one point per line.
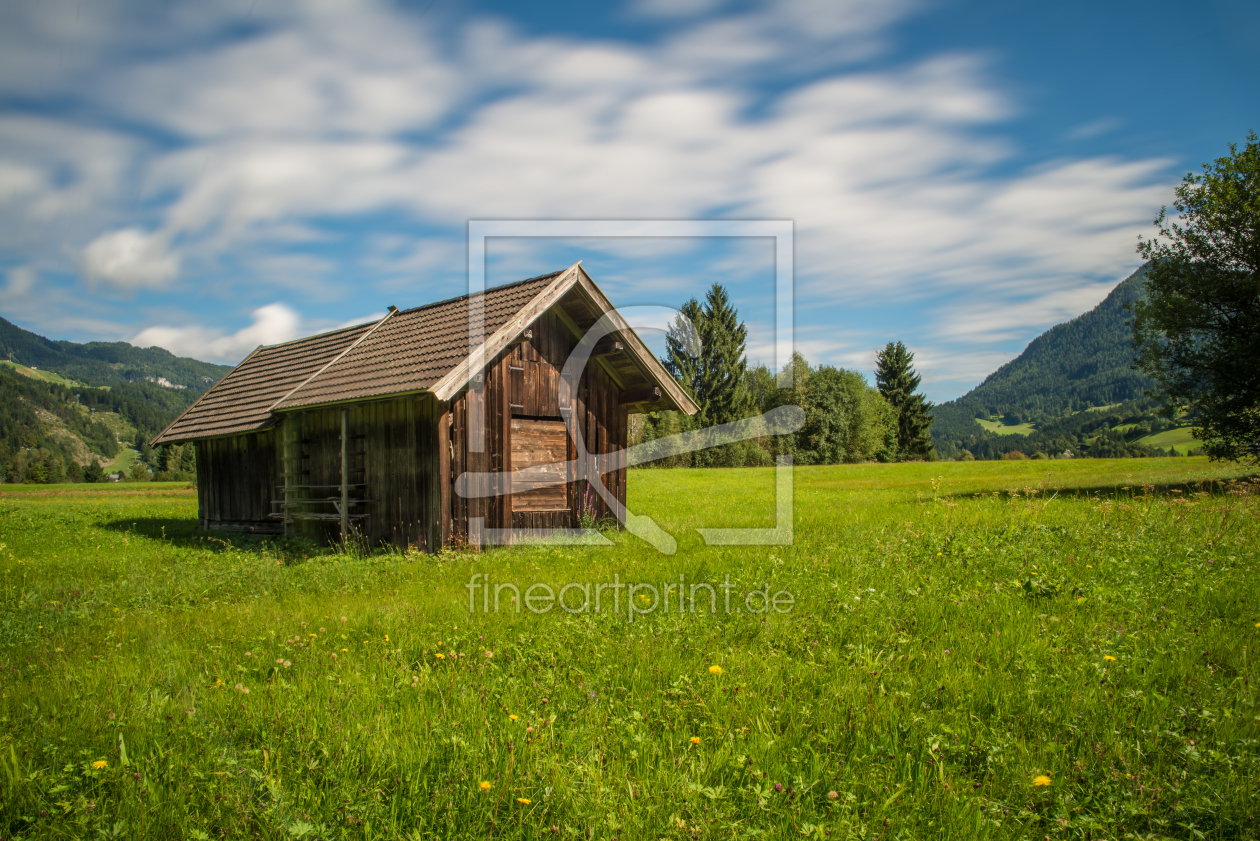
(975, 650)
(1179, 438)
(996, 426)
(36, 374)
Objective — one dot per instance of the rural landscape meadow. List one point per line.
(658, 420)
(1006, 649)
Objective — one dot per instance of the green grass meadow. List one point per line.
(975, 650)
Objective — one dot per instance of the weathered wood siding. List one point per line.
(406, 453)
(522, 385)
(393, 465)
(235, 475)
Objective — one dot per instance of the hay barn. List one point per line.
(366, 430)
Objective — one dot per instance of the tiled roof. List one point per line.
(240, 402)
(415, 348)
(409, 351)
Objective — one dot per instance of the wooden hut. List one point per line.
(365, 430)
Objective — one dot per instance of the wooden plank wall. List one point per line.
(235, 475)
(393, 449)
(524, 382)
(494, 457)
(604, 429)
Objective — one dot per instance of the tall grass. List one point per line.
(979, 650)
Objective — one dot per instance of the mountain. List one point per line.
(65, 407)
(1037, 400)
(106, 363)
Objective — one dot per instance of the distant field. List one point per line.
(1179, 438)
(35, 373)
(1002, 429)
(1000, 650)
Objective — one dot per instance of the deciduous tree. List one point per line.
(1198, 331)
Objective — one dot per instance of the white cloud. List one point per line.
(272, 324)
(130, 259)
(898, 179)
(21, 283)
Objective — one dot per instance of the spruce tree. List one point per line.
(705, 353)
(898, 382)
(682, 345)
(720, 380)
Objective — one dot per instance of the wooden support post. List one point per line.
(288, 464)
(345, 477)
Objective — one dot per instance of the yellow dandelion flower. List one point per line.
(695, 740)
(1109, 657)
(484, 785)
(99, 764)
(346, 650)
(1042, 780)
(440, 656)
(715, 670)
(1089, 566)
(513, 717)
(524, 801)
(312, 635)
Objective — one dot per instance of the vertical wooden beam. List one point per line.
(288, 466)
(505, 441)
(444, 457)
(345, 473)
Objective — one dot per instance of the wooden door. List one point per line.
(539, 444)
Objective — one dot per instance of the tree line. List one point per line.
(845, 418)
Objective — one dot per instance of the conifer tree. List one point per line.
(898, 382)
(705, 352)
(682, 345)
(720, 379)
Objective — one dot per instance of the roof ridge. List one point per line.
(488, 289)
(415, 309)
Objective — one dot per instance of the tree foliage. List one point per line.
(898, 383)
(1198, 331)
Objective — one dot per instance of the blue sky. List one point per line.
(961, 175)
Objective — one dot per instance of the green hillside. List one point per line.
(67, 408)
(105, 363)
(1072, 390)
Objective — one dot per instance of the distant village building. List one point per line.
(367, 430)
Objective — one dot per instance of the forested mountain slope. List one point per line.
(68, 415)
(105, 363)
(1080, 364)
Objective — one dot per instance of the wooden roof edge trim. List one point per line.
(266, 425)
(334, 361)
(640, 351)
(458, 377)
(158, 438)
(371, 398)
